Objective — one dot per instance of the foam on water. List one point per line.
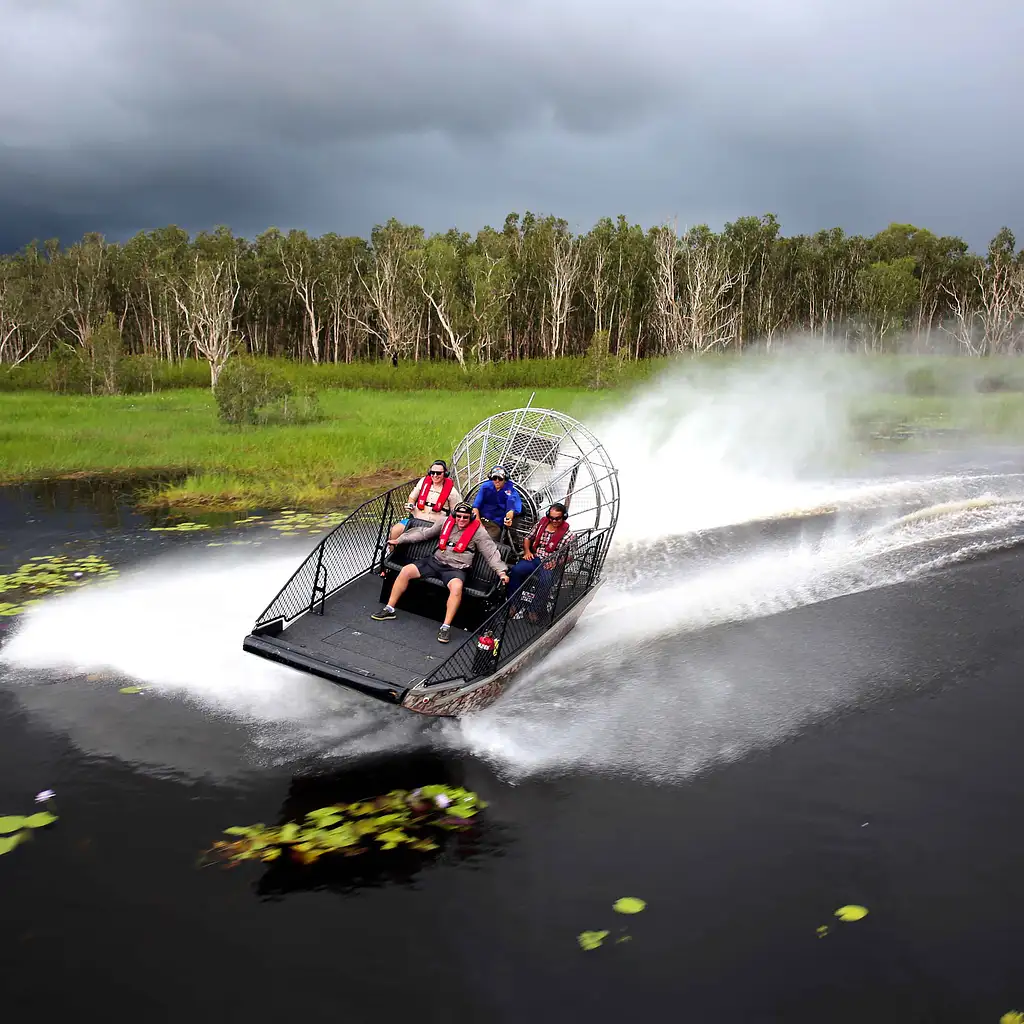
(634, 688)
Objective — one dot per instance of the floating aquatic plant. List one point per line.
(132, 689)
(851, 912)
(591, 940)
(17, 828)
(181, 527)
(48, 574)
(623, 905)
(1013, 1017)
(290, 523)
(628, 905)
(398, 818)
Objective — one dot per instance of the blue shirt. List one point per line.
(493, 504)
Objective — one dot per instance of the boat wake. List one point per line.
(667, 672)
(659, 679)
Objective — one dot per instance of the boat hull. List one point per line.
(452, 701)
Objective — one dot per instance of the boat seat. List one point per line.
(481, 580)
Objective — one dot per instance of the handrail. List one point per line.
(335, 553)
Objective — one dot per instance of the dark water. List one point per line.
(907, 799)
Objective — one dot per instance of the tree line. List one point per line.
(529, 290)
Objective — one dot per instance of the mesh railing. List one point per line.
(530, 612)
(349, 550)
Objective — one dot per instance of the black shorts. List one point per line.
(431, 569)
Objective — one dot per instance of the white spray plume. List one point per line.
(706, 447)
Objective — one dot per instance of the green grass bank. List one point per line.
(370, 438)
(365, 442)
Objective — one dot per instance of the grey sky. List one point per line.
(121, 115)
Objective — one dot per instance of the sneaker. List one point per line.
(385, 613)
(444, 634)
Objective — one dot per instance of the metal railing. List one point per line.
(348, 551)
(521, 619)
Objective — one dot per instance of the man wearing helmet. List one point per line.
(459, 540)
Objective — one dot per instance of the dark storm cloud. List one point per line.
(120, 116)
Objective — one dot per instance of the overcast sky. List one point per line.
(333, 115)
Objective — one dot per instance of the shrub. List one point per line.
(104, 349)
(921, 381)
(66, 373)
(247, 393)
(600, 369)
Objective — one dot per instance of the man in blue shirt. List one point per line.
(497, 502)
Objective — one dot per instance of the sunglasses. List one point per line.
(556, 519)
(437, 472)
(463, 515)
(497, 478)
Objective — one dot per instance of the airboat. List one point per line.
(320, 621)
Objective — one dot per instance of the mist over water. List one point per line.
(650, 682)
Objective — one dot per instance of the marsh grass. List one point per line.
(365, 442)
(368, 440)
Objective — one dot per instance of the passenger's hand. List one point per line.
(528, 558)
(504, 578)
(508, 518)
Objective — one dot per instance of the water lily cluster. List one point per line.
(624, 905)
(288, 522)
(48, 574)
(291, 523)
(15, 829)
(400, 818)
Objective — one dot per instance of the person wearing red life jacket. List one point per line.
(430, 501)
(546, 546)
(459, 538)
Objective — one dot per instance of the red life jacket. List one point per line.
(446, 489)
(549, 540)
(464, 539)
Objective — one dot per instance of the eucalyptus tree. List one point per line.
(389, 281)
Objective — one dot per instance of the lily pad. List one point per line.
(40, 819)
(851, 912)
(1013, 1017)
(822, 931)
(591, 940)
(11, 823)
(132, 689)
(8, 843)
(628, 905)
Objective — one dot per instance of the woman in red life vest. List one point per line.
(459, 538)
(542, 551)
(430, 501)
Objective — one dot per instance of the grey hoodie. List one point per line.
(454, 559)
